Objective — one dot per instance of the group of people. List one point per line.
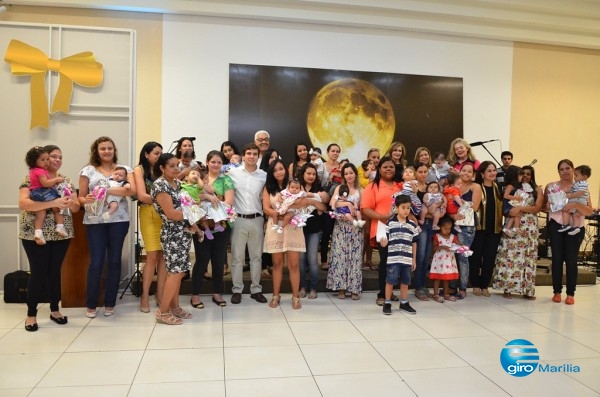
(442, 218)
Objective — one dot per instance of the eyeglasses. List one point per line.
(262, 139)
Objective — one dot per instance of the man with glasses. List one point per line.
(262, 140)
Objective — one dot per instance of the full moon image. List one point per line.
(355, 115)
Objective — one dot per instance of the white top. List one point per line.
(248, 190)
(94, 178)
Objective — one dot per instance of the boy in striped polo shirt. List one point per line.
(402, 254)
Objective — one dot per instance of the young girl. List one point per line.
(203, 194)
(452, 193)
(443, 264)
(41, 189)
(117, 179)
(434, 202)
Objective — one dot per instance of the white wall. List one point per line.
(197, 52)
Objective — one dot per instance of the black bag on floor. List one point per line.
(15, 286)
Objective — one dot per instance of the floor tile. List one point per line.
(365, 384)
(45, 340)
(257, 334)
(167, 389)
(78, 391)
(418, 354)
(114, 338)
(448, 327)
(180, 365)
(344, 358)
(25, 370)
(313, 332)
(264, 362)
(304, 386)
(476, 350)
(388, 329)
(186, 336)
(448, 382)
(507, 323)
(93, 368)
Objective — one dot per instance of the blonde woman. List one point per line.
(460, 152)
(397, 152)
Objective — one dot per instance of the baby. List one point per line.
(579, 193)
(202, 193)
(117, 179)
(348, 211)
(317, 160)
(288, 197)
(434, 203)
(514, 198)
(234, 162)
(453, 199)
(441, 168)
(369, 168)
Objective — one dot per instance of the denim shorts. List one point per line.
(43, 194)
(396, 272)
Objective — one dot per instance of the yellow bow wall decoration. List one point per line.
(81, 69)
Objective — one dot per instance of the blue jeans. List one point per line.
(424, 246)
(105, 241)
(465, 238)
(309, 261)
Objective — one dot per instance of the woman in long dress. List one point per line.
(517, 256)
(345, 271)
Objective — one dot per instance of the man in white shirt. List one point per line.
(249, 181)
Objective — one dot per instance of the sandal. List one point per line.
(507, 295)
(530, 298)
(167, 318)
(274, 301)
(368, 265)
(380, 301)
(341, 294)
(312, 294)
(355, 297)
(485, 293)
(461, 294)
(324, 266)
(180, 313)
(449, 298)
(296, 303)
(477, 291)
(438, 299)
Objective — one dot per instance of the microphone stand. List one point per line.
(490, 153)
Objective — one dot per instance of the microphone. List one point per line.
(479, 143)
(533, 162)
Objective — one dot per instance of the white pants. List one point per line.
(247, 232)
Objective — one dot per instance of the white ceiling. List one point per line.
(573, 23)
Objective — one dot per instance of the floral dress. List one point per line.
(517, 257)
(345, 270)
(443, 264)
(175, 241)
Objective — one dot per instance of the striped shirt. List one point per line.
(401, 236)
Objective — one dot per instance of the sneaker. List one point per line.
(405, 307)
(574, 231)
(556, 298)
(564, 228)
(355, 223)
(38, 236)
(60, 230)
(274, 227)
(570, 300)
(387, 309)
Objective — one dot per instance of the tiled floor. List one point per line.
(329, 348)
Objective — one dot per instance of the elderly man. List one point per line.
(247, 231)
(262, 140)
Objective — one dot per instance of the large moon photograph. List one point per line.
(352, 113)
(358, 110)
